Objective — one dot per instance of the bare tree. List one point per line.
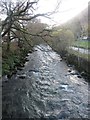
(18, 14)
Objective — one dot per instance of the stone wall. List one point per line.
(81, 64)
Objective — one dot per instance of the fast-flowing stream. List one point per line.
(45, 88)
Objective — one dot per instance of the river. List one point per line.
(45, 88)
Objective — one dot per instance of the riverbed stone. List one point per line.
(23, 76)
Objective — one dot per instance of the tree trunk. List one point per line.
(8, 41)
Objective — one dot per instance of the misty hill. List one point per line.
(79, 24)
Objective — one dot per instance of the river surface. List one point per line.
(45, 88)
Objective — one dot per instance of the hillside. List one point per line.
(79, 24)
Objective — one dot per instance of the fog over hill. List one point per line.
(79, 24)
(82, 17)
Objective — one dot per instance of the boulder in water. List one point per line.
(22, 76)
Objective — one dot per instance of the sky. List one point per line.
(66, 11)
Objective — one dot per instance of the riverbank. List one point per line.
(14, 59)
(82, 64)
(80, 61)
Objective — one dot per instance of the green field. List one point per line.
(82, 44)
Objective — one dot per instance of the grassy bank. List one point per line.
(82, 44)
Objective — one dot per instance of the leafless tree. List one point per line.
(17, 16)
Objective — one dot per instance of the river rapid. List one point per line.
(45, 88)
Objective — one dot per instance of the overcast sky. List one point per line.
(67, 9)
